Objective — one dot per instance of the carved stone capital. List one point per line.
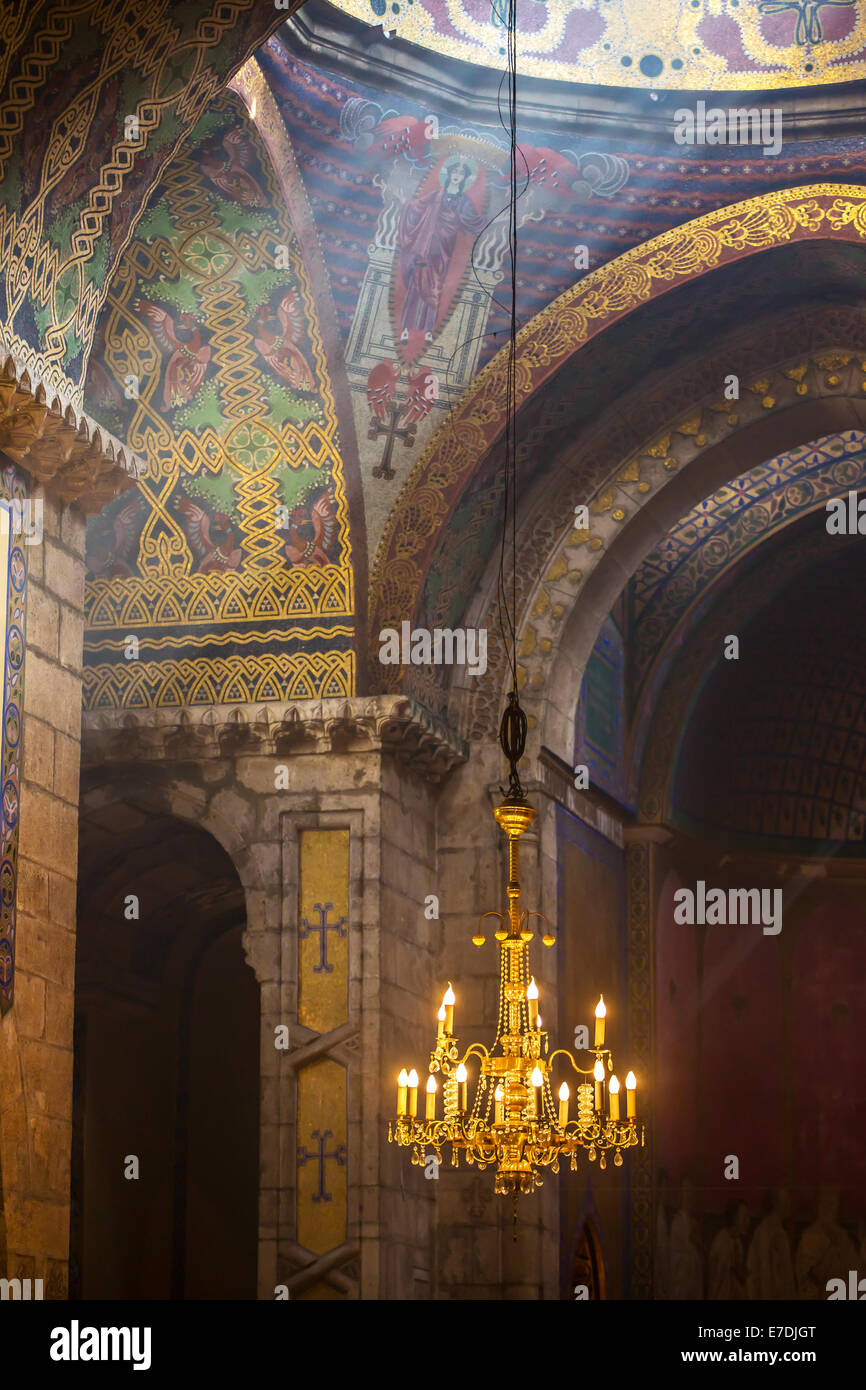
(50, 437)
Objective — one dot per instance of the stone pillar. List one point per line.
(36, 1034)
(643, 847)
(371, 767)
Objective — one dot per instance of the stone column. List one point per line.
(36, 1034)
(371, 766)
(643, 843)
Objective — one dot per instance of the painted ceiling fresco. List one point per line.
(695, 44)
(97, 96)
(230, 565)
(360, 148)
(374, 166)
(209, 359)
(645, 344)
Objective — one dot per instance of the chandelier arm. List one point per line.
(563, 1052)
(475, 1049)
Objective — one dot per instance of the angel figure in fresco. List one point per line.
(310, 535)
(227, 164)
(427, 240)
(112, 541)
(211, 539)
(189, 355)
(277, 337)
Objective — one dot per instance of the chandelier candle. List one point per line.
(537, 1083)
(613, 1092)
(600, 1012)
(563, 1105)
(448, 1002)
(514, 1124)
(532, 1003)
(598, 1074)
(462, 1078)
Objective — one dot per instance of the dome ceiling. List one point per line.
(727, 45)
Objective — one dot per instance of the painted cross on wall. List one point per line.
(321, 1157)
(323, 956)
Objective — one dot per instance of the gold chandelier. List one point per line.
(514, 1122)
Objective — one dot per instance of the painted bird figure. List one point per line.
(277, 337)
(308, 539)
(227, 164)
(189, 355)
(112, 542)
(212, 541)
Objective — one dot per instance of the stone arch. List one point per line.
(755, 592)
(756, 509)
(230, 820)
(151, 993)
(569, 579)
(688, 674)
(677, 257)
(245, 829)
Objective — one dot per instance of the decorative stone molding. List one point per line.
(382, 723)
(555, 337)
(555, 562)
(57, 444)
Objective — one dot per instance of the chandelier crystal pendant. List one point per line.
(514, 1122)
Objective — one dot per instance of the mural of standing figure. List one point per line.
(687, 1266)
(726, 1275)
(770, 1268)
(825, 1251)
(430, 260)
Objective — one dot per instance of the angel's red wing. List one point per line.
(161, 322)
(291, 318)
(324, 522)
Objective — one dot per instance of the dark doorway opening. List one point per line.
(588, 1264)
(166, 1089)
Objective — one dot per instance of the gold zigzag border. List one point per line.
(223, 639)
(229, 680)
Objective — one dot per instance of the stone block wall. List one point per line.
(36, 1034)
